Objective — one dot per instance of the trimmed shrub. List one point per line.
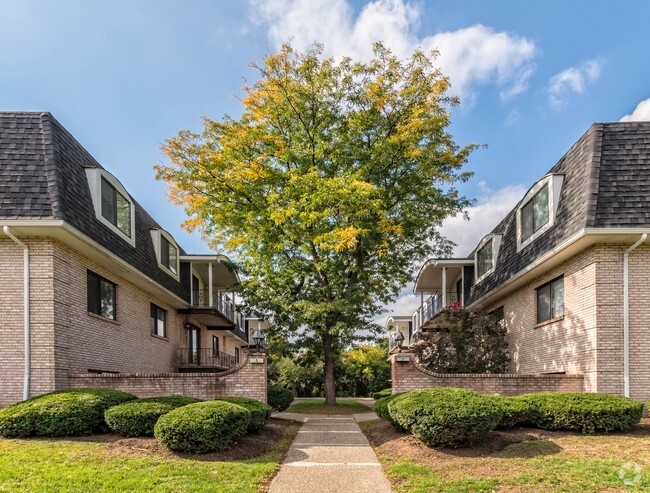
(585, 412)
(202, 427)
(382, 393)
(137, 418)
(260, 412)
(446, 416)
(381, 410)
(279, 398)
(61, 413)
(515, 411)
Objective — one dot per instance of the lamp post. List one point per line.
(399, 340)
(258, 337)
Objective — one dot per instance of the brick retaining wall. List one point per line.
(408, 375)
(245, 380)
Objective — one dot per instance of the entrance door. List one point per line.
(194, 346)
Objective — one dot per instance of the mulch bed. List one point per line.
(245, 447)
(386, 441)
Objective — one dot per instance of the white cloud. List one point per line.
(572, 80)
(472, 56)
(640, 114)
(490, 209)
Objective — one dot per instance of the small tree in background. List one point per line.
(473, 342)
(365, 369)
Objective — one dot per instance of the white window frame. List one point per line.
(156, 238)
(496, 244)
(94, 176)
(554, 183)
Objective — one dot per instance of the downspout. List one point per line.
(626, 315)
(28, 364)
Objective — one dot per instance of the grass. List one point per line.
(317, 406)
(73, 466)
(563, 462)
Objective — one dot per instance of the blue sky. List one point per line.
(122, 76)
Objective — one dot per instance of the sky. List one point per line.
(122, 76)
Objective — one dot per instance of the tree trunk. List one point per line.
(330, 384)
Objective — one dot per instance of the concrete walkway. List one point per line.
(330, 454)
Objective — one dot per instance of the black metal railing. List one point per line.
(220, 301)
(434, 305)
(206, 358)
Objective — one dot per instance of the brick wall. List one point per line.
(246, 380)
(408, 375)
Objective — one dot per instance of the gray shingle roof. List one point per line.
(42, 176)
(606, 185)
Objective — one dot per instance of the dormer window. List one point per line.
(485, 259)
(167, 252)
(113, 205)
(116, 208)
(537, 214)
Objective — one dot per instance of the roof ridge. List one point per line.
(50, 157)
(593, 179)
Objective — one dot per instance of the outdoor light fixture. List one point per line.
(187, 326)
(399, 340)
(258, 337)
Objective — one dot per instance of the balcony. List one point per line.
(204, 359)
(431, 307)
(217, 312)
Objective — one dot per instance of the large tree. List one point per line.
(328, 188)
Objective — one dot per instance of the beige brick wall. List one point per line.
(65, 338)
(567, 345)
(407, 376)
(246, 380)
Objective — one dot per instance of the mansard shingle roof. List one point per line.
(42, 176)
(606, 185)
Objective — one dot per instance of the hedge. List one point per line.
(446, 416)
(202, 427)
(515, 411)
(585, 412)
(260, 412)
(382, 393)
(381, 410)
(279, 398)
(61, 413)
(138, 417)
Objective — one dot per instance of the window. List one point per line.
(167, 251)
(539, 209)
(101, 296)
(550, 300)
(113, 205)
(534, 214)
(116, 208)
(484, 259)
(158, 321)
(168, 254)
(215, 346)
(237, 355)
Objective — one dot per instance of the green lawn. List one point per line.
(570, 463)
(317, 406)
(72, 466)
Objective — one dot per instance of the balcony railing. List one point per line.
(205, 358)
(432, 306)
(220, 301)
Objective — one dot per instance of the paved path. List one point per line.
(330, 454)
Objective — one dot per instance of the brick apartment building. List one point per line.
(105, 287)
(567, 269)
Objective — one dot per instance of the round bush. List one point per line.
(381, 410)
(138, 417)
(585, 412)
(382, 393)
(202, 427)
(61, 413)
(260, 412)
(445, 416)
(279, 398)
(515, 411)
